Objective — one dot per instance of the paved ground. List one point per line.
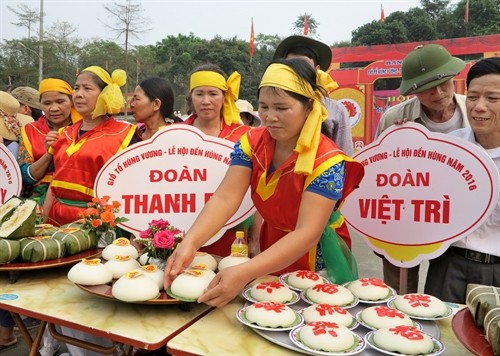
(369, 265)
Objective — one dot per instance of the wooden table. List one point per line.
(49, 296)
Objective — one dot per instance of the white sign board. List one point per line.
(421, 192)
(170, 176)
(10, 175)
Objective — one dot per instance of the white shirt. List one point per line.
(486, 238)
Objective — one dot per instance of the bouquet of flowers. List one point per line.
(160, 239)
(100, 218)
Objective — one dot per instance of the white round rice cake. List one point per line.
(420, 305)
(90, 272)
(119, 247)
(120, 265)
(327, 336)
(382, 317)
(329, 293)
(203, 258)
(371, 289)
(134, 286)
(326, 312)
(403, 339)
(270, 314)
(304, 279)
(272, 292)
(191, 284)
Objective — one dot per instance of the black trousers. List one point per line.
(449, 274)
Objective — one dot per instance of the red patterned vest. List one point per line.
(77, 160)
(289, 188)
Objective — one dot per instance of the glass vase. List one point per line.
(105, 238)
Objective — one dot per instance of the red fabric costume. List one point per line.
(77, 161)
(285, 188)
(222, 247)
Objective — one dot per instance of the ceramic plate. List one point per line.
(449, 312)
(353, 325)
(63, 261)
(307, 300)
(294, 336)
(438, 346)
(392, 294)
(284, 280)
(358, 317)
(241, 317)
(246, 294)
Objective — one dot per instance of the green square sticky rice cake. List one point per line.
(21, 222)
(8, 207)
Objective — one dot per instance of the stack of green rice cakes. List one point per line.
(22, 240)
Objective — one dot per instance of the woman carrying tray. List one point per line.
(298, 179)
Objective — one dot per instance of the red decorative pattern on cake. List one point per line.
(389, 312)
(271, 306)
(324, 327)
(326, 309)
(313, 276)
(408, 332)
(418, 300)
(269, 287)
(327, 288)
(372, 282)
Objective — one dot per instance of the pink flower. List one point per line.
(146, 234)
(160, 224)
(164, 239)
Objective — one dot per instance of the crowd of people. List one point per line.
(295, 152)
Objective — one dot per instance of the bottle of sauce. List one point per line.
(239, 247)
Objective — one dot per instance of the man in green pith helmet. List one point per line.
(427, 72)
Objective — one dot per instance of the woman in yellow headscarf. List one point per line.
(212, 100)
(36, 137)
(84, 147)
(298, 179)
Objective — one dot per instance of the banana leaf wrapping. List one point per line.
(484, 305)
(9, 250)
(41, 248)
(8, 207)
(21, 222)
(45, 229)
(75, 238)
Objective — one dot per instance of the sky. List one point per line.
(208, 18)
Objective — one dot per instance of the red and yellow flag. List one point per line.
(306, 26)
(382, 15)
(252, 41)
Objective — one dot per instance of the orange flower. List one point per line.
(108, 216)
(96, 223)
(90, 212)
(95, 200)
(116, 204)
